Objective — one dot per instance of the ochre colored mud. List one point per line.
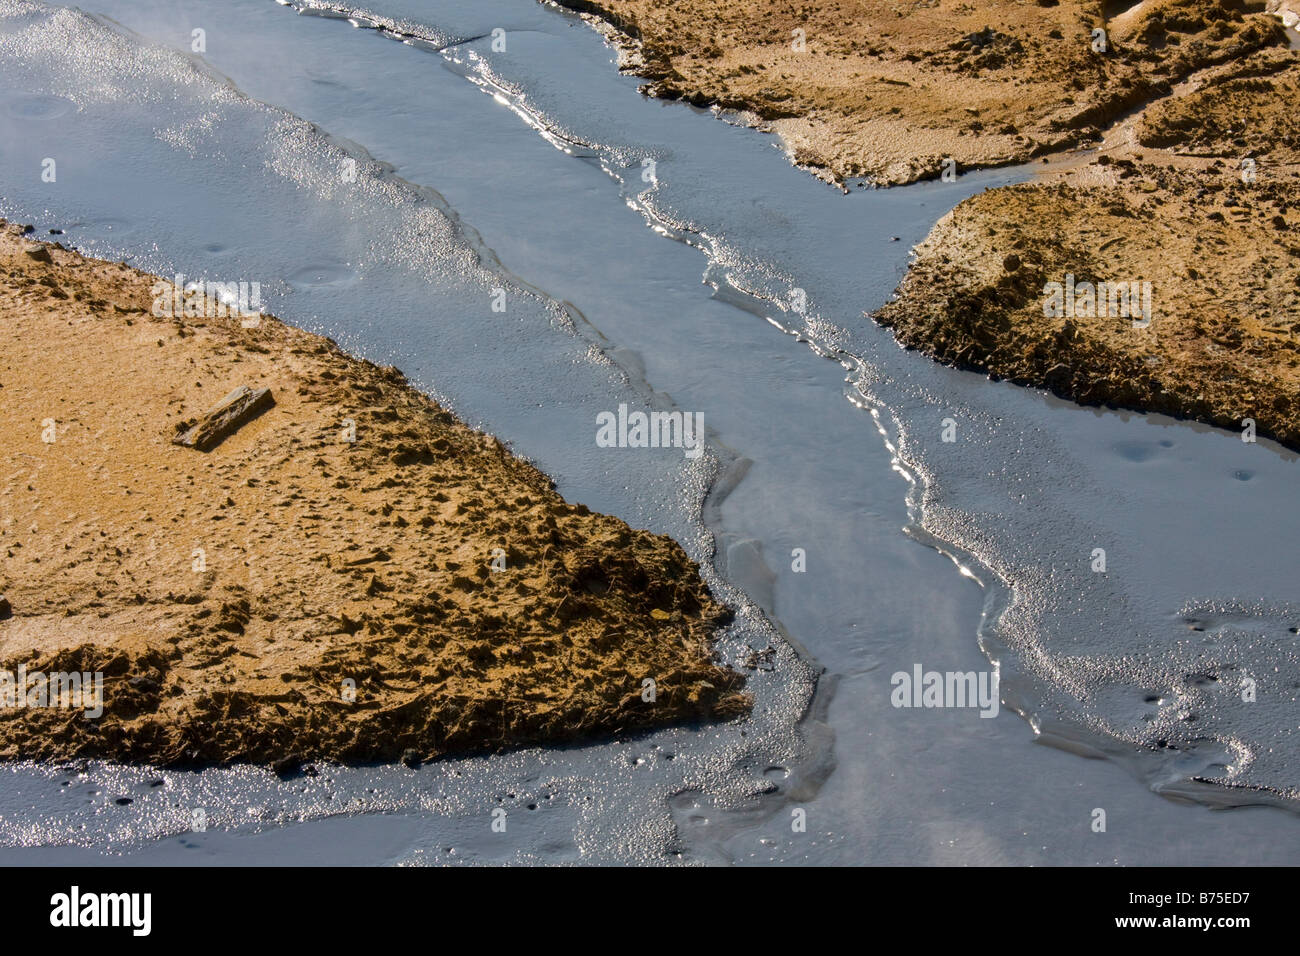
(233, 599)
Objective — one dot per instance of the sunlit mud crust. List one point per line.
(353, 575)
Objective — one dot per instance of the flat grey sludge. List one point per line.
(538, 169)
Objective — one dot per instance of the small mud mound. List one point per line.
(1176, 225)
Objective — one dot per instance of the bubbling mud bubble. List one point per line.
(37, 106)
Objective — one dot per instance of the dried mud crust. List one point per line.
(228, 596)
(888, 90)
(1200, 198)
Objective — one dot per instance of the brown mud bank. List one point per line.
(351, 575)
(889, 90)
